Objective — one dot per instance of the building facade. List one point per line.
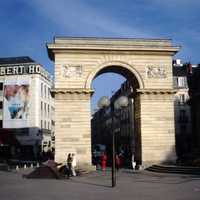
(183, 124)
(194, 92)
(26, 105)
(146, 63)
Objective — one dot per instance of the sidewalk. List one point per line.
(141, 185)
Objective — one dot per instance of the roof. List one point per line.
(110, 38)
(16, 60)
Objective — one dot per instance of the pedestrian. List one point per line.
(121, 157)
(64, 169)
(117, 162)
(73, 165)
(103, 162)
(133, 162)
(69, 163)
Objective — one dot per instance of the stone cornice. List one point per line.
(110, 44)
(156, 91)
(72, 94)
(71, 91)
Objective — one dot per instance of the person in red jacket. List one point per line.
(117, 162)
(103, 161)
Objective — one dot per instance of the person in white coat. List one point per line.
(73, 164)
(133, 162)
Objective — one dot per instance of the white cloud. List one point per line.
(175, 19)
(81, 18)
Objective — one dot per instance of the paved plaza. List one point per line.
(140, 185)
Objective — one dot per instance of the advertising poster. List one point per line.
(16, 103)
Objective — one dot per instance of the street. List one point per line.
(139, 185)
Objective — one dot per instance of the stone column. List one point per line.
(72, 128)
(157, 126)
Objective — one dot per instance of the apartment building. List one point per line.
(26, 106)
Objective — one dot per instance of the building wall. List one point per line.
(96, 60)
(34, 133)
(72, 130)
(1, 102)
(183, 127)
(194, 92)
(77, 62)
(157, 124)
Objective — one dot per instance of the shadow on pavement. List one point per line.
(90, 183)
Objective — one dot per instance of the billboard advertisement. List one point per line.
(16, 103)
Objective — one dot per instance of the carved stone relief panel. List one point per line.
(69, 71)
(155, 72)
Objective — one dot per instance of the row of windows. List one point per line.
(180, 81)
(181, 99)
(45, 91)
(45, 124)
(45, 109)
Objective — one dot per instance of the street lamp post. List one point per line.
(120, 103)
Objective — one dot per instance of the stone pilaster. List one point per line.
(72, 128)
(157, 126)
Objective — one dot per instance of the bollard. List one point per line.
(25, 166)
(31, 165)
(17, 168)
(38, 165)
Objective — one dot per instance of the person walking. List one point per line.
(73, 165)
(133, 162)
(117, 161)
(103, 162)
(69, 163)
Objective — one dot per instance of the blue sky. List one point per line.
(26, 26)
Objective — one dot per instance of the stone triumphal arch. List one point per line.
(146, 63)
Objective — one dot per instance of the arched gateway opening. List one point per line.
(101, 129)
(146, 64)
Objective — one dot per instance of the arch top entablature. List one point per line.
(116, 65)
(62, 44)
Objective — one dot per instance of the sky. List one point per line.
(27, 25)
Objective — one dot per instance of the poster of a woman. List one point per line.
(16, 103)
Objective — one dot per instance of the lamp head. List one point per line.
(122, 101)
(103, 102)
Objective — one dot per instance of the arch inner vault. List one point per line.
(146, 63)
